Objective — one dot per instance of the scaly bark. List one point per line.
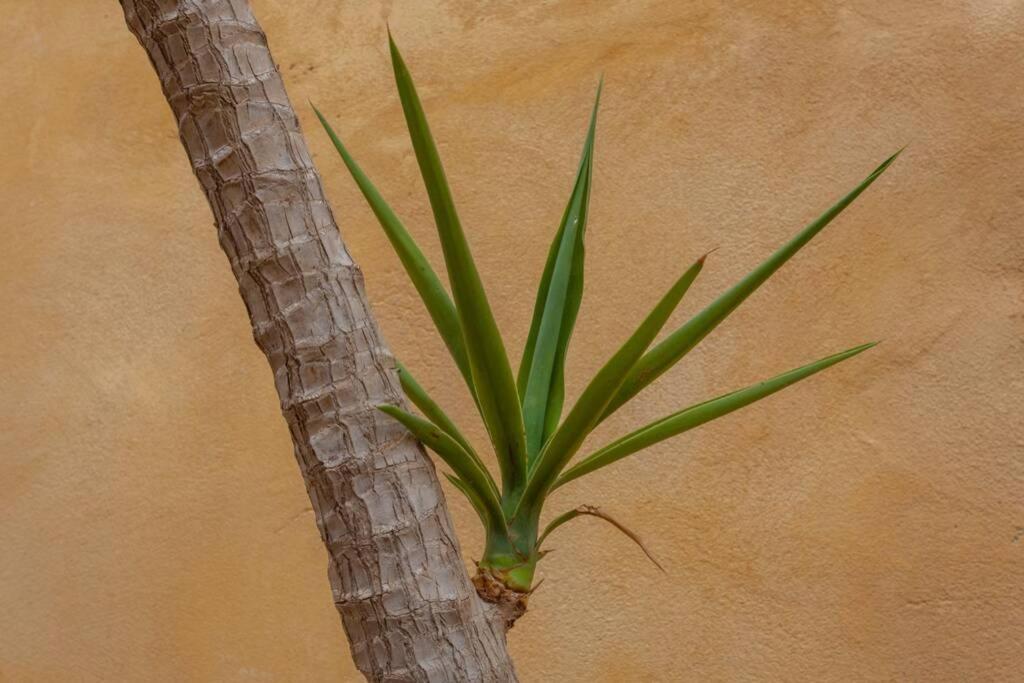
(407, 605)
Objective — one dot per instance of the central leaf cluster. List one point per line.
(523, 413)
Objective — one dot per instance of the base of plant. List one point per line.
(491, 587)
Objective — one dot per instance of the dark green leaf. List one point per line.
(542, 370)
(433, 412)
(464, 466)
(499, 403)
(698, 414)
(668, 352)
(474, 499)
(432, 292)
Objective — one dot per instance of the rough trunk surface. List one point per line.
(410, 611)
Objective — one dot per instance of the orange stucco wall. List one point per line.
(867, 525)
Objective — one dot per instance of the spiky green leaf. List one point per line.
(499, 402)
(542, 369)
(586, 412)
(439, 305)
(434, 413)
(465, 467)
(478, 504)
(668, 352)
(698, 414)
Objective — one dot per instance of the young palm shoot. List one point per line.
(522, 411)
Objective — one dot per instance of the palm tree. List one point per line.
(408, 607)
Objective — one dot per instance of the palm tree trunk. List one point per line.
(398, 580)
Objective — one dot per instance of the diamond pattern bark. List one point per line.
(407, 605)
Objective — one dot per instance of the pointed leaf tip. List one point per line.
(396, 55)
(859, 349)
(706, 254)
(887, 163)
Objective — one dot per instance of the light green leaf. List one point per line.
(588, 409)
(432, 292)
(542, 370)
(474, 500)
(499, 403)
(433, 412)
(698, 414)
(464, 466)
(668, 352)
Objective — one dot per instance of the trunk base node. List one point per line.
(511, 604)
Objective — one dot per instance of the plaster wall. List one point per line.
(865, 525)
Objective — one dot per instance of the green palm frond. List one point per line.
(439, 305)
(433, 412)
(696, 415)
(499, 401)
(669, 352)
(462, 463)
(542, 369)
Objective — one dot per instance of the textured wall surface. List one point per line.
(866, 525)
